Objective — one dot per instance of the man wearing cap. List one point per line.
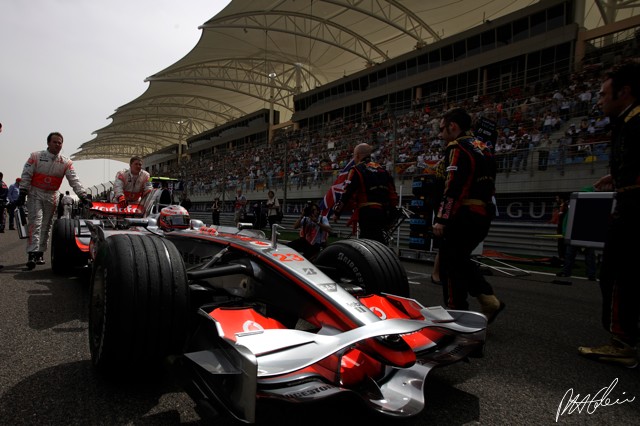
(14, 193)
(41, 178)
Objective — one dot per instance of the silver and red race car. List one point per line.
(242, 318)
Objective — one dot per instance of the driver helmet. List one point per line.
(174, 217)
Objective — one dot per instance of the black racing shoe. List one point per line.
(31, 263)
(40, 258)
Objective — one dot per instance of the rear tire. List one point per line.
(139, 302)
(65, 254)
(368, 264)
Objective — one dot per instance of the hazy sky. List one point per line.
(66, 65)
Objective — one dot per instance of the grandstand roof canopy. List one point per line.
(255, 51)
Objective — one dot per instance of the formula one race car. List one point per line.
(242, 318)
(70, 237)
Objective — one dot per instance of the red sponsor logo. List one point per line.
(113, 208)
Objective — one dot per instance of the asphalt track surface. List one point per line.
(529, 371)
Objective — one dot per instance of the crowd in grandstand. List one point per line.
(551, 124)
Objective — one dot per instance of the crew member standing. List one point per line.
(215, 211)
(41, 178)
(14, 193)
(166, 197)
(465, 213)
(273, 208)
(239, 207)
(619, 99)
(131, 184)
(370, 187)
(67, 205)
(4, 199)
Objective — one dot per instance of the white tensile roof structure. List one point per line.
(253, 52)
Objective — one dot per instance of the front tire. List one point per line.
(139, 302)
(368, 264)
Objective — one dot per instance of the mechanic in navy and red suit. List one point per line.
(464, 214)
(371, 188)
(41, 178)
(131, 184)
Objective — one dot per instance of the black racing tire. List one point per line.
(368, 264)
(139, 303)
(65, 254)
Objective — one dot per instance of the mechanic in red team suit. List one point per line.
(41, 178)
(370, 187)
(131, 184)
(466, 209)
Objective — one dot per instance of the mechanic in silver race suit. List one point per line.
(131, 184)
(41, 178)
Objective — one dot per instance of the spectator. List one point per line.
(314, 231)
(273, 208)
(544, 148)
(215, 211)
(239, 207)
(521, 157)
(499, 153)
